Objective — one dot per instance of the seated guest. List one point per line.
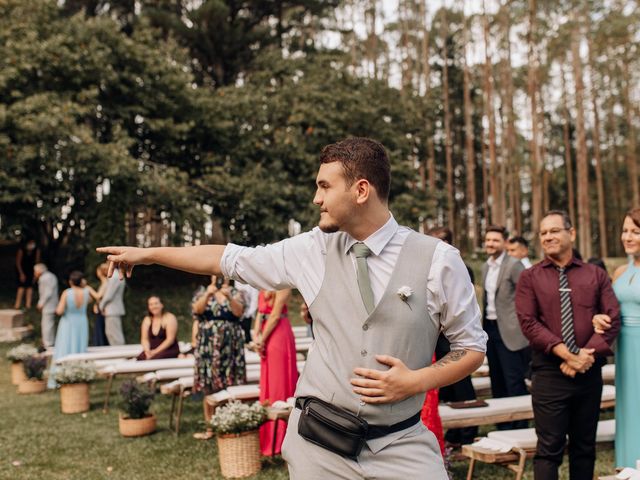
(158, 332)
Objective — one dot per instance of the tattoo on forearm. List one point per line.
(452, 356)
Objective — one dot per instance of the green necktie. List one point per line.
(361, 252)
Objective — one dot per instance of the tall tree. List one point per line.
(584, 216)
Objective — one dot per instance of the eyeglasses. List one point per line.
(552, 231)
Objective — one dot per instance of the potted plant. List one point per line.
(136, 420)
(34, 368)
(236, 425)
(74, 379)
(16, 355)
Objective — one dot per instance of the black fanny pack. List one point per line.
(339, 430)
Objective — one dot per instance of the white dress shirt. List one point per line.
(491, 285)
(299, 262)
(526, 262)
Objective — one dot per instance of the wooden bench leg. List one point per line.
(173, 409)
(521, 464)
(472, 464)
(105, 408)
(179, 414)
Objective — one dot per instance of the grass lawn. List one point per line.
(44, 443)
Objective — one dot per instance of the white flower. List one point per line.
(404, 293)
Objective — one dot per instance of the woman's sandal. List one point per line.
(203, 435)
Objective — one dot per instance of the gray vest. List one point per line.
(346, 337)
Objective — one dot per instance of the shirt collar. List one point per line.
(574, 262)
(498, 261)
(378, 239)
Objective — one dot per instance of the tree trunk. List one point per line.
(496, 213)
(632, 167)
(536, 194)
(472, 224)
(584, 218)
(448, 144)
(602, 221)
(568, 162)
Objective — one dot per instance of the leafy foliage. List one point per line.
(238, 417)
(21, 352)
(136, 398)
(34, 367)
(75, 372)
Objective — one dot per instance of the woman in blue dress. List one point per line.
(626, 284)
(72, 335)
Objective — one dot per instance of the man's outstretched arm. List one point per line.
(202, 259)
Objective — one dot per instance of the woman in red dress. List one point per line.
(274, 340)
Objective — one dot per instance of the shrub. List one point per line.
(34, 367)
(136, 398)
(238, 417)
(22, 351)
(75, 372)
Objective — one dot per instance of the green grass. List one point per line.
(50, 445)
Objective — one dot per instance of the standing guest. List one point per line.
(557, 300)
(626, 284)
(99, 338)
(47, 301)
(219, 352)
(158, 332)
(250, 300)
(27, 256)
(518, 247)
(73, 330)
(508, 350)
(456, 392)
(112, 307)
(278, 370)
(379, 294)
(598, 262)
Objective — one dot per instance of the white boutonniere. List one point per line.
(404, 293)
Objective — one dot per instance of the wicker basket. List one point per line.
(137, 427)
(239, 454)
(32, 386)
(17, 373)
(74, 397)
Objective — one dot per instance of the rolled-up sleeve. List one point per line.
(296, 262)
(452, 299)
(528, 311)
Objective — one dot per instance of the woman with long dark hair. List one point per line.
(158, 332)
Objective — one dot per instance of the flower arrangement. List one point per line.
(136, 398)
(34, 367)
(22, 351)
(238, 417)
(75, 372)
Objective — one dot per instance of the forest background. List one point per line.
(178, 122)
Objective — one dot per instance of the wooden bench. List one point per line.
(511, 448)
(504, 410)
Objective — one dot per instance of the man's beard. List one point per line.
(331, 228)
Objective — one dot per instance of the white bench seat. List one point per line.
(503, 410)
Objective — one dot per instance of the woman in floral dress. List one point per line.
(219, 351)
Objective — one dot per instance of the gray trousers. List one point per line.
(113, 329)
(415, 455)
(48, 329)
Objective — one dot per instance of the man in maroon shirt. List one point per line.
(556, 302)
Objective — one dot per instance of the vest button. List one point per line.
(363, 353)
(365, 327)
